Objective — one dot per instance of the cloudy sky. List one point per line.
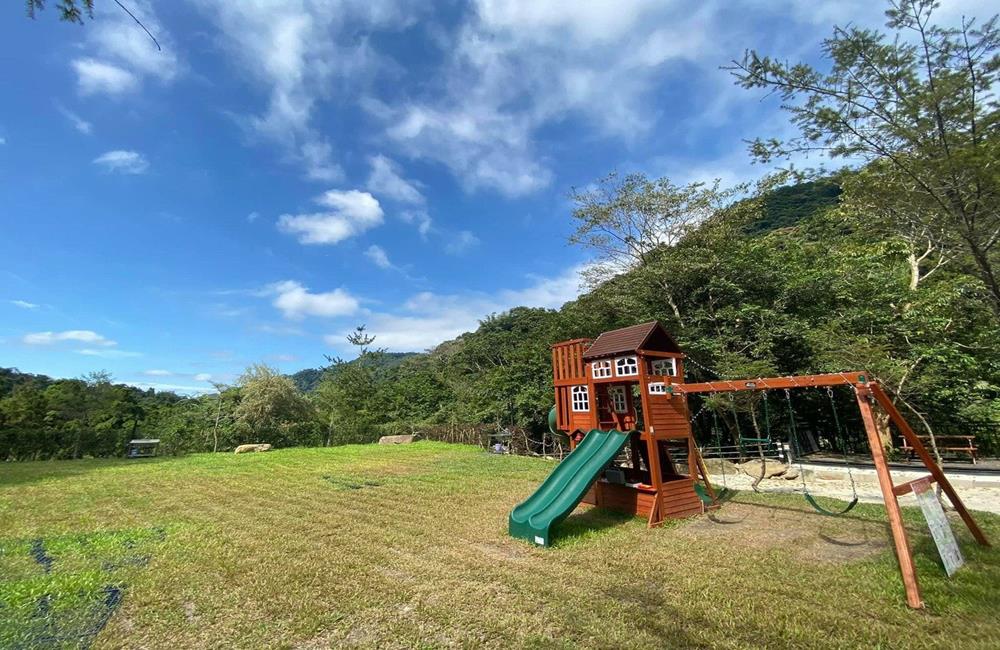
(284, 170)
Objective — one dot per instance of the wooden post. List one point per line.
(903, 553)
(918, 447)
(652, 446)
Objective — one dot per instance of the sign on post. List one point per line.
(941, 531)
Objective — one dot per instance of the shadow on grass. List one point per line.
(587, 524)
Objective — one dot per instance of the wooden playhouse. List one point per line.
(622, 380)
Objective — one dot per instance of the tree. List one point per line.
(272, 408)
(347, 396)
(628, 220)
(921, 110)
(72, 11)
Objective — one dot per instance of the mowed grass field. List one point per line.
(407, 546)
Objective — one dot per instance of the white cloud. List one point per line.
(121, 54)
(253, 216)
(157, 372)
(386, 180)
(123, 162)
(93, 76)
(349, 213)
(378, 255)
(24, 304)
(77, 336)
(515, 67)
(461, 242)
(300, 53)
(296, 302)
(427, 318)
(173, 388)
(108, 354)
(420, 218)
(203, 376)
(80, 124)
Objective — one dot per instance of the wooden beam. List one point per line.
(661, 355)
(932, 467)
(903, 553)
(769, 383)
(906, 488)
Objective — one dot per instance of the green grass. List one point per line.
(406, 546)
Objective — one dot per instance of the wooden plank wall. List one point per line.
(678, 499)
(669, 416)
(621, 498)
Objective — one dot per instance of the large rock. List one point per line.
(396, 440)
(771, 468)
(246, 449)
(721, 467)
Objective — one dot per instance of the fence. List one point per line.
(511, 440)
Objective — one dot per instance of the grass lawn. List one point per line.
(407, 547)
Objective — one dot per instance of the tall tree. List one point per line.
(347, 396)
(271, 407)
(630, 219)
(920, 108)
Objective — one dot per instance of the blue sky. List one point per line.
(283, 171)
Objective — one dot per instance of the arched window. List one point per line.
(600, 369)
(626, 367)
(581, 399)
(666, 367)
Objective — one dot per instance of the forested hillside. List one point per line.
(826, 291)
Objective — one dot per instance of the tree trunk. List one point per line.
(914, 270)
(882, 427)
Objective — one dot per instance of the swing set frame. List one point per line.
(868, 394)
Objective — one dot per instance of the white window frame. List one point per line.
(600, 369)
(657, 388)
(619, 403)
(630, 363)
(670, 363)
(580, 399)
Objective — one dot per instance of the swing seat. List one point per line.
(830, 513)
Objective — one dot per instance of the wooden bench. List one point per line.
(956, 444)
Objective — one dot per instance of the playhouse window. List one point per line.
(657, 388)
(600, 369)
(666, 367)
(618, 402)
(626, 366)
(581, 399)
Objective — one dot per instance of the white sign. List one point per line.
(941, 531)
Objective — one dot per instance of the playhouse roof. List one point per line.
(648, 336)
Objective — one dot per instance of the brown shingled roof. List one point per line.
(650, 336)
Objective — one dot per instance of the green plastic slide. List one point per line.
(566, 485)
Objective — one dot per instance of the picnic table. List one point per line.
(959, 444)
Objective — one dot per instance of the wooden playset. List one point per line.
(626, 389)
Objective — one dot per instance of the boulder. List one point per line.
(246, 449)
(792, 473)
(752, 468)
(720, 467)
(396, 440)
